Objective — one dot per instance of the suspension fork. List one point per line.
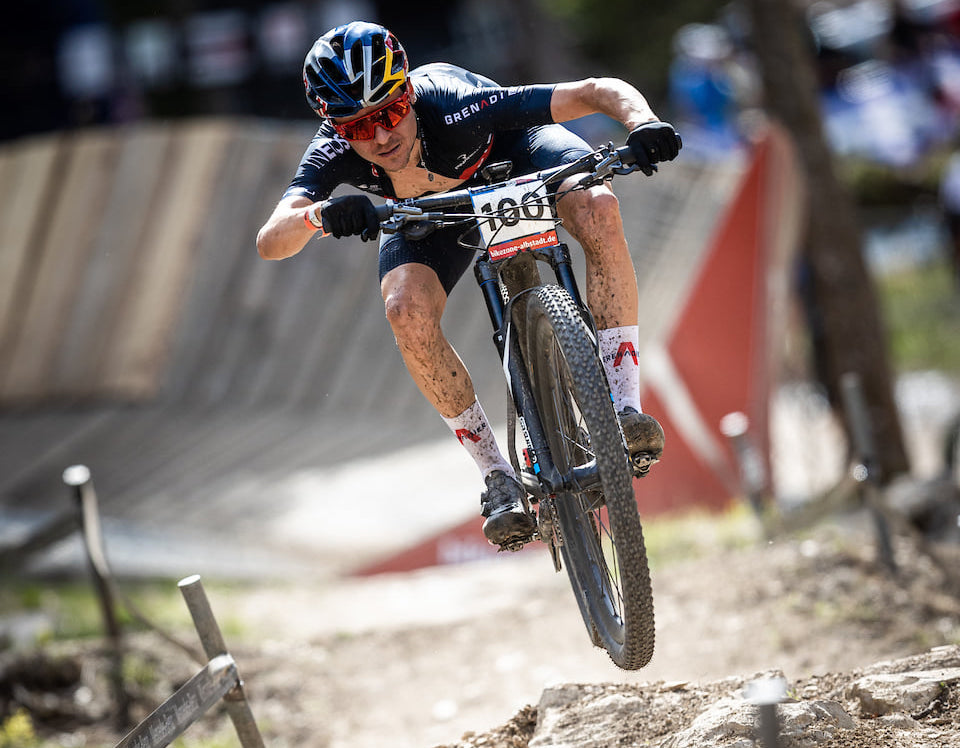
(559, 259)
(511, 358)
(487, 275)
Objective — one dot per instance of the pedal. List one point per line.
(642, 462)
(515, 544)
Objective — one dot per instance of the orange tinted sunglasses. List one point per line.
(365, 128)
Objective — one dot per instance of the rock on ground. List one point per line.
(910, 702)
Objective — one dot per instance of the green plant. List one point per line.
(922, 312)
(224, 738)
(74, 610)
(139, 670)
(694, 534)
(16, 731)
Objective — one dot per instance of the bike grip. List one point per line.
(384, 211)
(625, 154)
(628, 160)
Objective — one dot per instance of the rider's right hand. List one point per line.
(350, 215)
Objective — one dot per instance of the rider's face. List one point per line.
(389, 149)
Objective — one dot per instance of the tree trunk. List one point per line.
(850, 337)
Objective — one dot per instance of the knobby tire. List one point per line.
(600, 532)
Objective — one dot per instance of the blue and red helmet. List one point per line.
(352, 67)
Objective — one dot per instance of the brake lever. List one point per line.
(397, 216)
(391, 225)
(624, 170)
(610, 171)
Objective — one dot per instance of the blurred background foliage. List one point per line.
(629, 39)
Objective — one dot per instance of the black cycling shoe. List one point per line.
(507, 519)
(644, 438)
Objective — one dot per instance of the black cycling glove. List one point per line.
(653, 142)
(350, 215)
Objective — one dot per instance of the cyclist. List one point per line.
(395, 132)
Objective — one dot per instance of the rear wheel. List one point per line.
(599, 531)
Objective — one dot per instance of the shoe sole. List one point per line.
(514, 538)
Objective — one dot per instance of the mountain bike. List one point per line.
(573, 460)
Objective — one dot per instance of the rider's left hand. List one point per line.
(653, 142)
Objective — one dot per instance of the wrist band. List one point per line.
(310, 218)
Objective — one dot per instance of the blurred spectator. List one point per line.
(708, 87)
(890, 73)
(859, 29)
(70, 63)
(151, 53)
(283, 37)
(877, 112)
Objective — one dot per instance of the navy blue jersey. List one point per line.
(459, 115)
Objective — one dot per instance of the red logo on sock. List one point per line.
(626, 349)
(466, 434)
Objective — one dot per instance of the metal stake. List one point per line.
(78, 477)
(766, 694)
(213, 645)
(753, 474)
(867, 472)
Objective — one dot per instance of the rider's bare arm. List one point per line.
(285, 233)
(610, 96)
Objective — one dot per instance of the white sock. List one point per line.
(619, 351)
(473, 430)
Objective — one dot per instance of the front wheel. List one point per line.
(599, 531)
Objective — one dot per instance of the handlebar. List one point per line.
(600, 165)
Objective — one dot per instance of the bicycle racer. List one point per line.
(395, 132)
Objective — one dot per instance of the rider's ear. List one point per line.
(412, 93)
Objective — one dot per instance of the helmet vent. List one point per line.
(356, 57)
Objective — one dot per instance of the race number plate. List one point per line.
(520, 218)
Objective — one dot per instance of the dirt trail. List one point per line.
(485, 641)
(419, 660)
